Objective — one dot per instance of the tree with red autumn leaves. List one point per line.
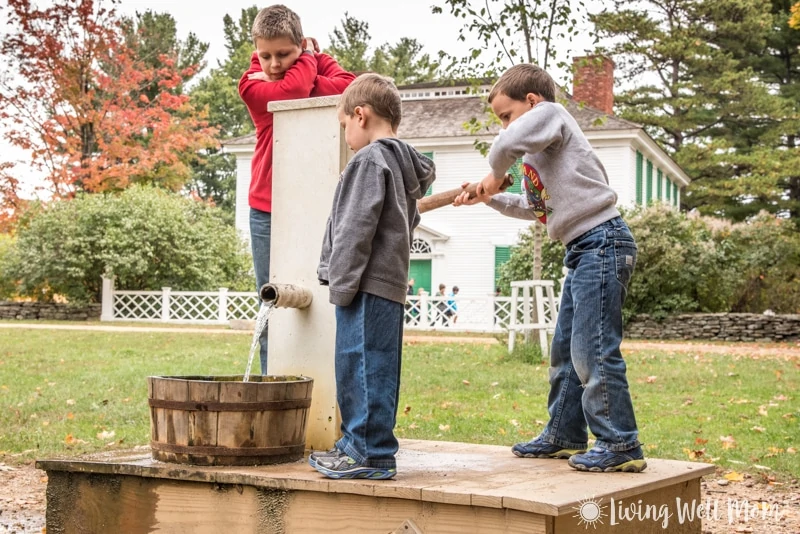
(73, 93)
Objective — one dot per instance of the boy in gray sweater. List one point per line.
(566, 188)
(365, 259)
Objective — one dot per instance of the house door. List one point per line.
(420, 271)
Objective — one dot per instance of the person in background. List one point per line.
(452, 307)
(441, 306)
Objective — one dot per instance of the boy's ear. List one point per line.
(361, 113)
(533, 99)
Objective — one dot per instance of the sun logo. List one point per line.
(590, 512)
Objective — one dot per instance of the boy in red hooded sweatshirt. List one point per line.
(285, 66)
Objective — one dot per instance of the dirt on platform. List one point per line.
(23, 503)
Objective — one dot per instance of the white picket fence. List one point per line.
(422, 313)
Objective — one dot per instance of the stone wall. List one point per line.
(49, 310)
(716, 326)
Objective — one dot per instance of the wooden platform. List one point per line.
(441, 488)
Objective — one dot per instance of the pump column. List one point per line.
(309, 154)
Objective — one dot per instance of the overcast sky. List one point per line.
(388, 22)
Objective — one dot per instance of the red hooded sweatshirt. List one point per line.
(311, 75)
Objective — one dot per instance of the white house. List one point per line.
(463, 246)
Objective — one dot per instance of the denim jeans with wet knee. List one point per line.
(588, 383)
(369, 343)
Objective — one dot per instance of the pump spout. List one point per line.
(285, 295)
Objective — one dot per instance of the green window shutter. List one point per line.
(639, 168)
(501, 255)
(669, 189)
(429, 192)
(649, 181)
(659, 179)
(516, 172)
(675, 193)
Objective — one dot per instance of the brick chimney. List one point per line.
(593, 82)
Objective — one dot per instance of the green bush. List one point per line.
(8, 285)
(145, 237)
(692, 264)
(768, 264)
(680, 266)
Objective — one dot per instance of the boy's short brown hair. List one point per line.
(522, 79)
(277, 21)
(376, 91)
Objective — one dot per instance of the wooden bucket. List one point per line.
(221, 420)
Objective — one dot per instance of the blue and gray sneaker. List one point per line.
(342, 466)
(312, 458)
(538, 448)
(602, 460)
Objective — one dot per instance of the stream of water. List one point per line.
(261, 322)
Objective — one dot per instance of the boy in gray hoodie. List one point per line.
(365, 259)
(567, 189)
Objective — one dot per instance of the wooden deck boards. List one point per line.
(438, 472)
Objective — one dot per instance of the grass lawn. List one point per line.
(71, 392)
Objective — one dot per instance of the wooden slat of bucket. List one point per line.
(294, 419)
(269, 424)
(203, 424)
(173, 424)
(236, 429)
(153, 420)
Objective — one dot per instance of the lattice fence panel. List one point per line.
(197, 307)
(135, 306)
(243, 306)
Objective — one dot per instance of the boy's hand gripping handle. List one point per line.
(445, 198)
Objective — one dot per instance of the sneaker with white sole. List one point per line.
(601, 460)
(343, 466)
(538, 448)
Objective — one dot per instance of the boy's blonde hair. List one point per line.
(522, 79)
(278, 21)
(376, 91)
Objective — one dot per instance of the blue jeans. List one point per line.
(369, 341)
(260, 230)
(587, 373)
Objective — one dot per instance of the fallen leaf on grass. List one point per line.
(412, 426)
(700, 441)
(514, 422)
(444, 428)
(694, 455)
(733, 476)
(780, 397)
(728, 442)
(70, 402)
(407, 409)
(791, 450)
(759, 429)
(465, 382)
(762, 410)
(651, 379)
(105, 435)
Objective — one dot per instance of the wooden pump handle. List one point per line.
(445, 198)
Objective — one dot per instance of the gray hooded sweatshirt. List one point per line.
(565, 185)
(368, 238)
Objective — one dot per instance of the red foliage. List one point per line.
(71, 93)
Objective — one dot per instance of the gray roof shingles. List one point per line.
(445, 117)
